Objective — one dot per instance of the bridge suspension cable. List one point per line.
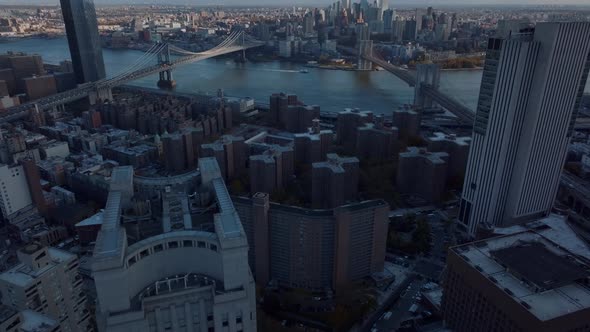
(228, 41)
(146, 58)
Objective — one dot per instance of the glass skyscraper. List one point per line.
(83, 39)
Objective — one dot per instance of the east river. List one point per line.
(333, 90)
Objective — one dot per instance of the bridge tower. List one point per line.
(427, 75)
(166, 81)
(101, 93)
(365, 46)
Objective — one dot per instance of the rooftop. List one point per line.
(356, 111)
(229, 221)
(22, 275)
(531, 259)
(36, 322)
(94, 220)
(555, 228)
(439, 137)
(517, 264)
(433, 157)
(6, 312)
(335, 163)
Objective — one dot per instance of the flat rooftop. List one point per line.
(442, 137)
(531, 259)
(517, 264)
(433, 157)
(335, 163)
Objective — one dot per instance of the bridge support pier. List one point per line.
(166, 81)
(426, 74)
(100, 94)
(365, 46)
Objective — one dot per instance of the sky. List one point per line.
(394, 3)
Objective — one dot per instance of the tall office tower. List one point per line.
(530, 94)
(398, 28)
(345, 4)
(83, 39)
(388, 16)
(308, 22)
(47, 281)
(419, 19)
(410, 30)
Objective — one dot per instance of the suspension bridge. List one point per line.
(425, 81)
(156, 60)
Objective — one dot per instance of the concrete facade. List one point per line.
(334, 181)
(456, 147)
(346, 128)
(47, 281)
(183, 279)
(520, 140)
(313, 249)
(15, 194)
(376, 142)
(272, 169)
(314, 145)
(422, 173)
(407, 121)
(231, 155)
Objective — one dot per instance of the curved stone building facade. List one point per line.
(184, 280)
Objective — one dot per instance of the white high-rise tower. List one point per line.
(531, 90)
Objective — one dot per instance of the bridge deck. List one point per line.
(21, 111)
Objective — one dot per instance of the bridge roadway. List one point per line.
(21, 111)
(465, 114)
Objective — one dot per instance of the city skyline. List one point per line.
(342, 165)
(281, 3)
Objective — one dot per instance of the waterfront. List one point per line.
(333, 90)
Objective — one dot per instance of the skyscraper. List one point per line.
(531, 90)
(83, 39)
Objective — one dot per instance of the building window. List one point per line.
(201, 244)
(144, 253)
(172, 245)
(187, 243)
(158, 247)
(213, 247)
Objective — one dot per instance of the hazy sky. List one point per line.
(393, 3)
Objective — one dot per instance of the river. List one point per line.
(333, 90)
